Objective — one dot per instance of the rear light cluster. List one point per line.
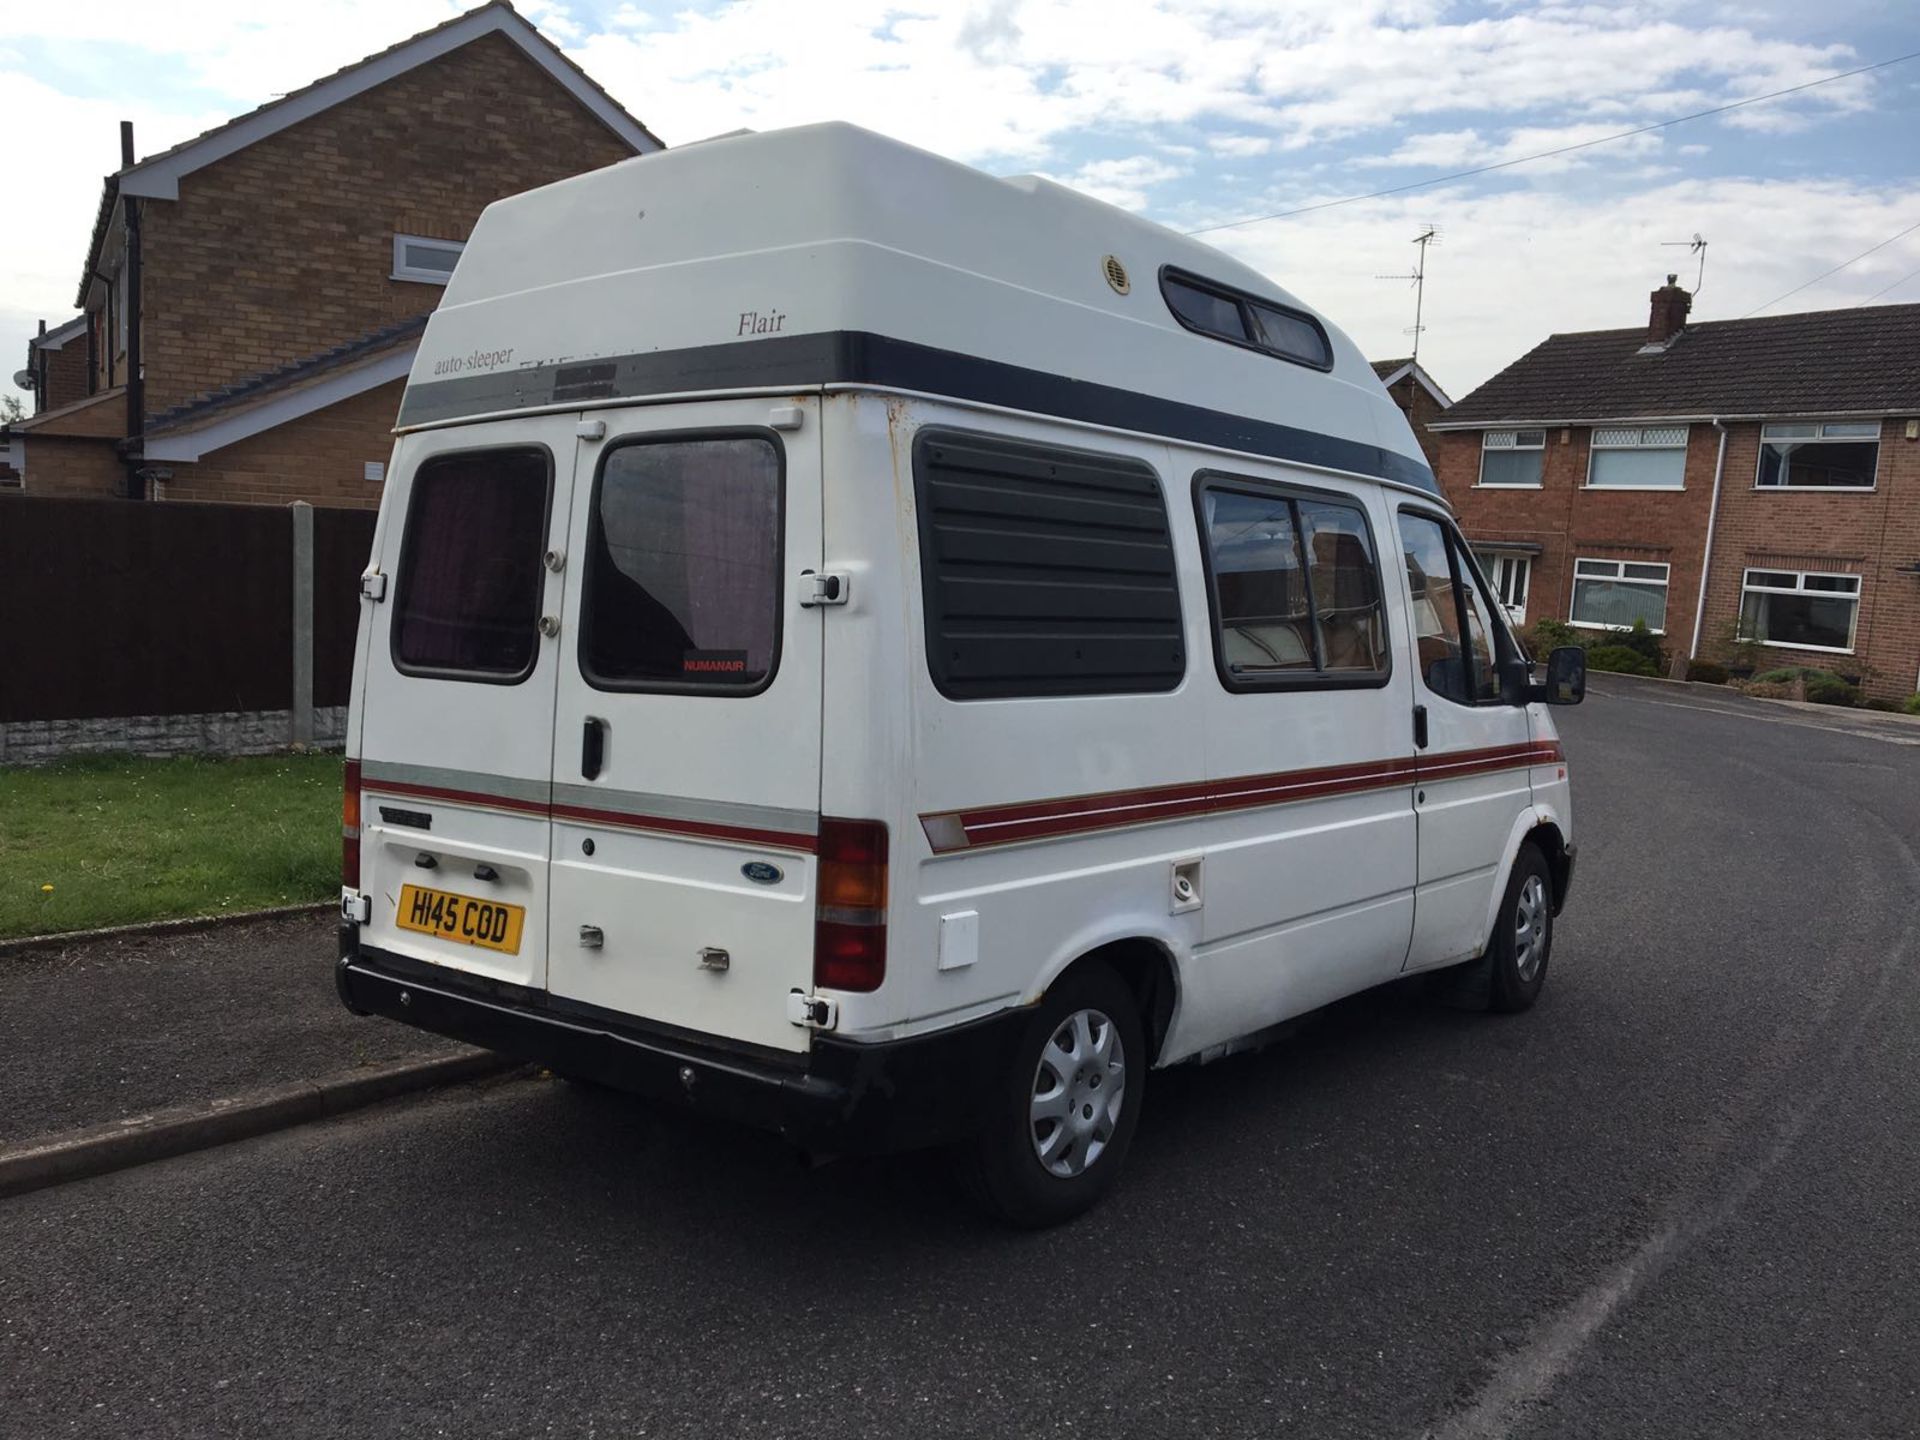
(350, 828)
(850, 922)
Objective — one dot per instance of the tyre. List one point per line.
(1058, 1126)
(1522, 940)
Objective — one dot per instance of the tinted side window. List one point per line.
(1044, 570)
(1205, 310)
(1443, 661)
(683, 566)
(1346, 586)
(1259, 583)
(467, 604)
(1480, 633)
(1296, 591)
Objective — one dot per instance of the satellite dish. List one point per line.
(23, 379)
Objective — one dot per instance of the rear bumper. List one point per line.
(840, 1096)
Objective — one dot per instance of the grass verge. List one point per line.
(120, 839)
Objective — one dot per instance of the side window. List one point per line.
(1044, 570)
(1458, 638)
(467, 603)
(1295, 587)
(683, 566)
(1480, 634)
(1259, 584)
(1443, 661)
(1346, 587)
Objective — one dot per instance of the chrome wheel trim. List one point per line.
(1079, 1088)
(1531, 917)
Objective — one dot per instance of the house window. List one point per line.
(1816, 455)
(415, 257)
(1613, 594)
(1638, 457)
(1800, 610)
(1512, 457)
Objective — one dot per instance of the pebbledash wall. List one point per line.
(1873, 534)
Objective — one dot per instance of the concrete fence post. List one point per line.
(302, 706)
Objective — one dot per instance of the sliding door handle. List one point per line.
(1420, 727)
(593, 746)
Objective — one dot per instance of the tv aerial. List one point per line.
(1695, 246)
(1429, 235)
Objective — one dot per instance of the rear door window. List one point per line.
(683, 566)
(467, 603)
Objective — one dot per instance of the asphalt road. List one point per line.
(1681, 1197)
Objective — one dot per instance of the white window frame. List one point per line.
(418, 273)
(1619, 572)
(1818, 437)
(1505, 440)
(1639, 442)
(1799, 587)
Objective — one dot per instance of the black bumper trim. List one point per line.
(840, 1096)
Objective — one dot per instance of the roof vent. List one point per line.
(1116, 274)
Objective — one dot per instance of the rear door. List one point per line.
(686, 741)
(457, 725)
(1473, 773)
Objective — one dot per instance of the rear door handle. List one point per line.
(593, 746)
(1420, 727)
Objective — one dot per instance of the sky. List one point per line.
(1192, 114)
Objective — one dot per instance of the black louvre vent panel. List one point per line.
(1046, 571)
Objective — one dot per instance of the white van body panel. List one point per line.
(1263, 850)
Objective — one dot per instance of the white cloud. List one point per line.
(1516, 266)
(1201, 112)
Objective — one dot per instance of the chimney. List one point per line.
(126, 144)
(1669, 313)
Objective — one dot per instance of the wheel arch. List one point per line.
(1146, 966)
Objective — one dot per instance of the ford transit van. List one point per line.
(896, 656)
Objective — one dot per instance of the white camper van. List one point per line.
(895, 655)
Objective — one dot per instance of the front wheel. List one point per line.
(1522, 935)
(1059, 1125)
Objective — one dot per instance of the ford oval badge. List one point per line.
(761, 873)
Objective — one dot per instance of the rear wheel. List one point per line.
(1522, 935)
(1059, 1125)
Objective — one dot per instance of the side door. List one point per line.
(1472, 748)
(456, 739)
(1310, 861)
(686, 739)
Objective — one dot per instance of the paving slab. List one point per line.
(104, 1030)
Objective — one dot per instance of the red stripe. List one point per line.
(1117, 809)
(701, 829)
(457, 797)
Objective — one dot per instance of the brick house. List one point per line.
(270, 278)
(1419, 399)
(1757, 474)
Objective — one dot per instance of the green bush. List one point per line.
(1707, 672)
(1549, 635)
(1787, 674)
(1641, 641)
(1911, 705)
(1621, 659)
(1882, 703)
(1832, 690)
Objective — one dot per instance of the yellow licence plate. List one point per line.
(461, 918)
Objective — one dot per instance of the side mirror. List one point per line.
(1566, 682)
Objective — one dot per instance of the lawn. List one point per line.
(107, 840)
